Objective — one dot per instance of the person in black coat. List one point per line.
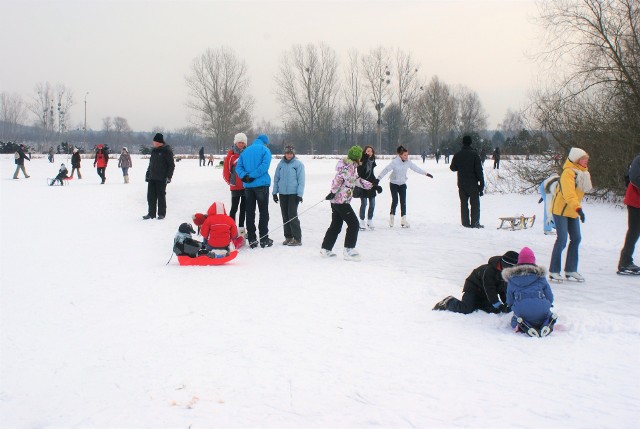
(19, 160)
(496, 158)
(75, 162)
(470, 183)
(365, 171)
(159, 174)
(201, 156)
(484, 289)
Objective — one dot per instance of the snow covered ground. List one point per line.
(97, 332)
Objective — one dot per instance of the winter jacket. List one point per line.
(219, 228)
(254, 162)
(345, 180)
(632, 196)
(528, 292)
(161, 164)
(469, 167)
(487, 280)
(366, 172)
(399, 169)
(567, 198)
(496, 154)
(63, 173)
(229, 170)
(21, 157)
(101, 159)
(125, 161)
(75, 160)
(289, 177)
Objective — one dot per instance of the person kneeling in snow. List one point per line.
(63, 173)
(530, 296)
(184, 244)
(220, 232)
(484, 289)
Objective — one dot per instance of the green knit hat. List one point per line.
(355, 153)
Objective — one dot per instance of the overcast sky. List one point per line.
(132, 56)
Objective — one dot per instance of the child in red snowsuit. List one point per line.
(219, 231)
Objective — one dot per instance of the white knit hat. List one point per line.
(576, 153)
(240, 137)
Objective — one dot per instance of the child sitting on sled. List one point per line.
(529, 296)
(219, 231)
(63, 173)
(184, 244)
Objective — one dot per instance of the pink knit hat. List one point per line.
(526, 256)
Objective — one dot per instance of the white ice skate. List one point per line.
(370, 224)
(575, 276)
(556, 277)
(327, 253)
(404, 223)
(351, 255)
(363, 225)
(391, 221)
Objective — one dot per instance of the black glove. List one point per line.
(275, 198)
(375, 182)
(581, 214)
(330, 196)
(299, 199)
(429, 175)
(247, 179)
(378, 189)
(481, 193)
(168, 180)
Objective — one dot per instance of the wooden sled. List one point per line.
(519, 222)
(205, 260)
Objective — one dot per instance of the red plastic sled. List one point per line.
(205, 260)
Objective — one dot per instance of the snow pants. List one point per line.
(157, 197)
(342, 213)
(258, 196)
(289, 209)
(469, 195)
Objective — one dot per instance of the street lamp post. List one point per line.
(85, 118)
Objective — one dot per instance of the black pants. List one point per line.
(202, 161)
(101, 173)
(342, 213)
(289, 210)
(257, 196)
(398, 191)
(238, 200)
(496, 163)
(633, 232)
(157, 197)
(469, 195)
(470, 302)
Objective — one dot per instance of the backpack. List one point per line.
(16, 155)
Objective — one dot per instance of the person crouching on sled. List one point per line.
(529, 296)
(184, 244)
(220, 232)
(63, 173)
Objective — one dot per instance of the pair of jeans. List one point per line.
(157, 197)
(258, 196)
(74, 169)
(342, 213)
(289, 209)
(102, 173)
(469, 195)
(125, 171)
(571, 227)
(363, 207)
(398, 191)
(238, 200)
(18, 168)
(633, 232)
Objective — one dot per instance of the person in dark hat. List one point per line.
(19, 160)
(466, 162)
(288, 189)
(159, 174)
(484, 289)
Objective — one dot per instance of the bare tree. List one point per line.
(512, 123)
(307, 87)
(377, 73)
(121, 129)
(219, 95)
(471, 116)
(354, 112)
(12, 115)
(408, 86)
(436, 110)
(63, 102)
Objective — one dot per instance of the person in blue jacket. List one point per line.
(288, 182)
(529, 296)
(253, 169)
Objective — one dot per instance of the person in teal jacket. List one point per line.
(253, 170)
(288, 182)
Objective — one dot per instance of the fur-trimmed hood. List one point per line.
(524, 270)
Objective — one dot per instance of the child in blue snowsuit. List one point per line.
(529, 296)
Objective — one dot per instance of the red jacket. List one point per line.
(101, 159)
(229, 171)
(219, 228)
(632, 197)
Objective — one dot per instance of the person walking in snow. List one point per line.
(201, 157)
(575, 180)
(158, 176)
(529, 296)
(124, 162)
(447, 154)
(496, 158)
(236, 185)
(253, 170)
(398, 183)
(467, 164)
(75, 162)
(100, 161)
(51, 154)
(345, 180)
(484, 289)
(366, 172)
(19, 161)
(632, 200)
(288, 189)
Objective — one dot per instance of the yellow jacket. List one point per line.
(566, 200)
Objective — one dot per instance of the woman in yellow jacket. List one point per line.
(567, 214)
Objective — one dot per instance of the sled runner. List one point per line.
(519, 222)
(206, 260)
(55, 182)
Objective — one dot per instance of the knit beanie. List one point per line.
(199, 218)
(355, 153)
(575, 154)
(186, 228)
(158, 138)
(289, 149)
(466, 141)
(526, 256)
(240, 137)
(509, 259)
